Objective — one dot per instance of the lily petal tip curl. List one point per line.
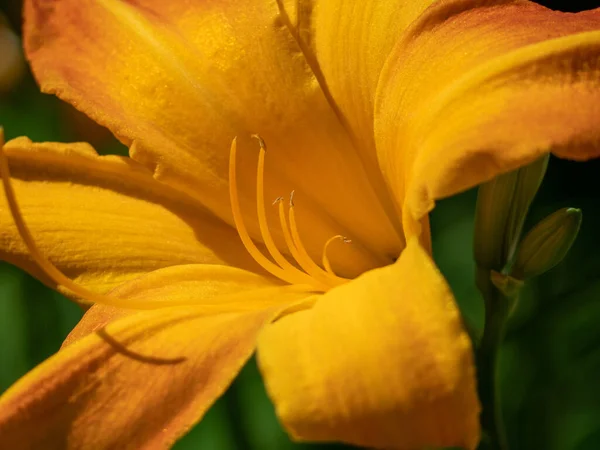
(404, 377)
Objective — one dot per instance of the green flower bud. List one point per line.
(502, 206)
(494, 201)
(547, 243)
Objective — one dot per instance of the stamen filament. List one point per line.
(265, 263)
(263, 224)
(49, 269)
(311, 274)
(325, 259)
(286, 233)
(304, 258)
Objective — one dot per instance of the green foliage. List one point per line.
(550, 361)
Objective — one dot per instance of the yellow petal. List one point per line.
(351, 41)
(179, 81)
(105, 220)
(477, 88)
(95, 318)
(146, 378)
(140, 383)
(216, 288)
(382, 362)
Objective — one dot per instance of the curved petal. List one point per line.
(105, 220)
(405, 378)
(217, 288)
(351, 40)
(179, 81)
(476, 88)
(139, 383)
(348, 43)
(144, 379)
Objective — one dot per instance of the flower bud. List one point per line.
(502, 206)
(547, 243)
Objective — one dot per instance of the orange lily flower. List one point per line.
(372, 110)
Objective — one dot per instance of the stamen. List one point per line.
(304, 258)
(262, 219)
(261, 141)
(49, 269)
(325, 259)
(282, 268)
(286, 232)
(241, 227)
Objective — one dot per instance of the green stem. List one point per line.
(497, 308)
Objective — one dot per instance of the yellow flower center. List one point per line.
(311, 274)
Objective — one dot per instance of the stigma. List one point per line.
(305, 271)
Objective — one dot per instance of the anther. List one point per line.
(325, 259)
(292, 199)
(260, 140)
(277, 200)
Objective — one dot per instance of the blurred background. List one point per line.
(550, 362)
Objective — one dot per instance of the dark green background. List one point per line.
(550, 362)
